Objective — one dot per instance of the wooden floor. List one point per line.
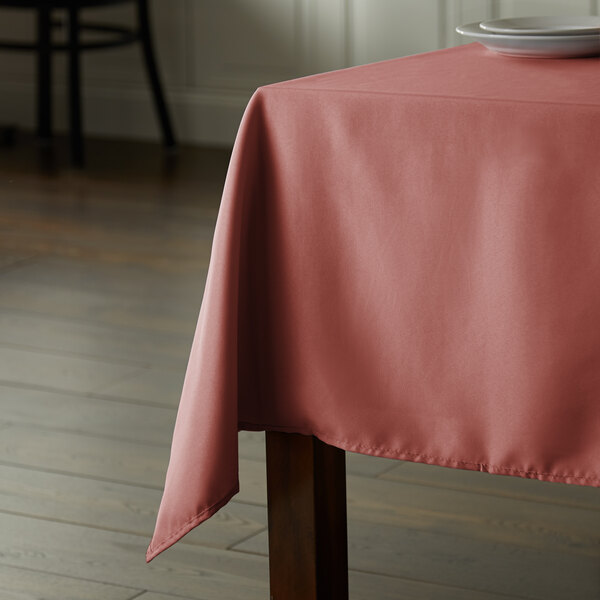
(101, 278)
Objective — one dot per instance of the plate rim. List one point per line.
(566, 30)
(475, 30)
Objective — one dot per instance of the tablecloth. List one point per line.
(406, 264)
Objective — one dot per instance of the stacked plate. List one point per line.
(538, 37)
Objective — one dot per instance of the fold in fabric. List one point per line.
(406, 264)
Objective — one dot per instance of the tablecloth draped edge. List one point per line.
(153, 551)
(346, 445)
(591, 480)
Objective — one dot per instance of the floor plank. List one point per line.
(113, 237)
(116, 461)
(154, 596)
(117, 558)
(370, 586)
(488, 519)
(456, 561)
(155, 385)
(10, 258)
(25, 584)
(475, 482)
(121, 279)
(88, 340)
(115, 507)
(149, 314)
(77, 454)
(60, 371)
(72, 412)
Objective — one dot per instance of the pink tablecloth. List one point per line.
(406, 264)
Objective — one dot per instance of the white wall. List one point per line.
(214, 53)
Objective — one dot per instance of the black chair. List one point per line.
(113, 36)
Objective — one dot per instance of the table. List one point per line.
(406, 264)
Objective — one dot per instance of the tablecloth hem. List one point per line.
(586, 480)
(154, 551)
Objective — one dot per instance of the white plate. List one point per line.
(534, 46)
(544, 26)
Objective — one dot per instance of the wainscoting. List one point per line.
(215, 54)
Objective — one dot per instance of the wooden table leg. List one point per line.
(308, 542)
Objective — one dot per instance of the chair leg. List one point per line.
(77, 152)
(44, 74)
(152, 70)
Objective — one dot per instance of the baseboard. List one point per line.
(206, 118)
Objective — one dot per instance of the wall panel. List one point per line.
(526, 8)
(215, 53)
(237, 43)
(381, 29)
